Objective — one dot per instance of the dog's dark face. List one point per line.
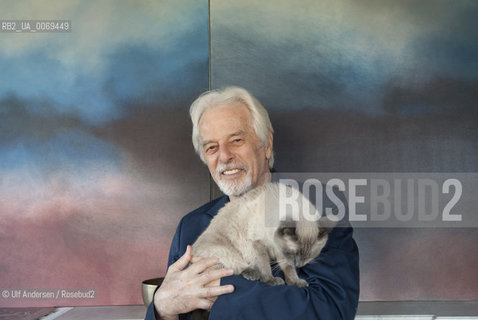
(300, 248)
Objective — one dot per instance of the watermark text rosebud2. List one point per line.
(385, 199)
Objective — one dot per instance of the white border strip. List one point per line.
(58, 312)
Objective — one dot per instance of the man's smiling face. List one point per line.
(236, 158)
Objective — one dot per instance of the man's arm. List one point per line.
(332, 292)
(187, 288)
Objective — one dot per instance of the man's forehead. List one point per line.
(234, 112)
(225, 120)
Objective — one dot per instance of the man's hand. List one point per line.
(195, 287)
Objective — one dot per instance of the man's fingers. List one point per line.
(215, 274)
(216, 291)
(204, 304)
(202, 265)
(207, 297)
(196, 259)
(183, 261)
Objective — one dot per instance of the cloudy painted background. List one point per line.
(368, 86)
(96, 164)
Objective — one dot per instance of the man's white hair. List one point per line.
(260, 118)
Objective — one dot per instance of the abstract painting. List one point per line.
(367, 86)
(96, 161)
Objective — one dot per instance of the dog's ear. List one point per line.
(325, 226)
(323, 232)
(287, 233)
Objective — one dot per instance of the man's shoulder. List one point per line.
(208, 209)
(195, 222)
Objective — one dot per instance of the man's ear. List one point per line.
(270, 143)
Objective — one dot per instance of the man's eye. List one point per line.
(210, 149)
(237, 140)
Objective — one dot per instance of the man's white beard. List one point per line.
(235, 188)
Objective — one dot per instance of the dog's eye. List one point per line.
(289, 253)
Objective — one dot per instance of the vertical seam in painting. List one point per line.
(211, 182)
(209, 39)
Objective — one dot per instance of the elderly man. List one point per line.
(233, 135)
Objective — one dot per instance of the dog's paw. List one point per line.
(300, 283)
(275, 281)
(251, 274)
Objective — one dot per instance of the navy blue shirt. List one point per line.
(333, 279)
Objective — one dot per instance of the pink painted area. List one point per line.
(102, 231)
(418, 264)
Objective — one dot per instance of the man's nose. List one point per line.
(225, 154)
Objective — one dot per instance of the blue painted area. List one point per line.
(49, 107)
(74, 150)
(37, 77)
(344, 64)
(144, 75)
(133, 73)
